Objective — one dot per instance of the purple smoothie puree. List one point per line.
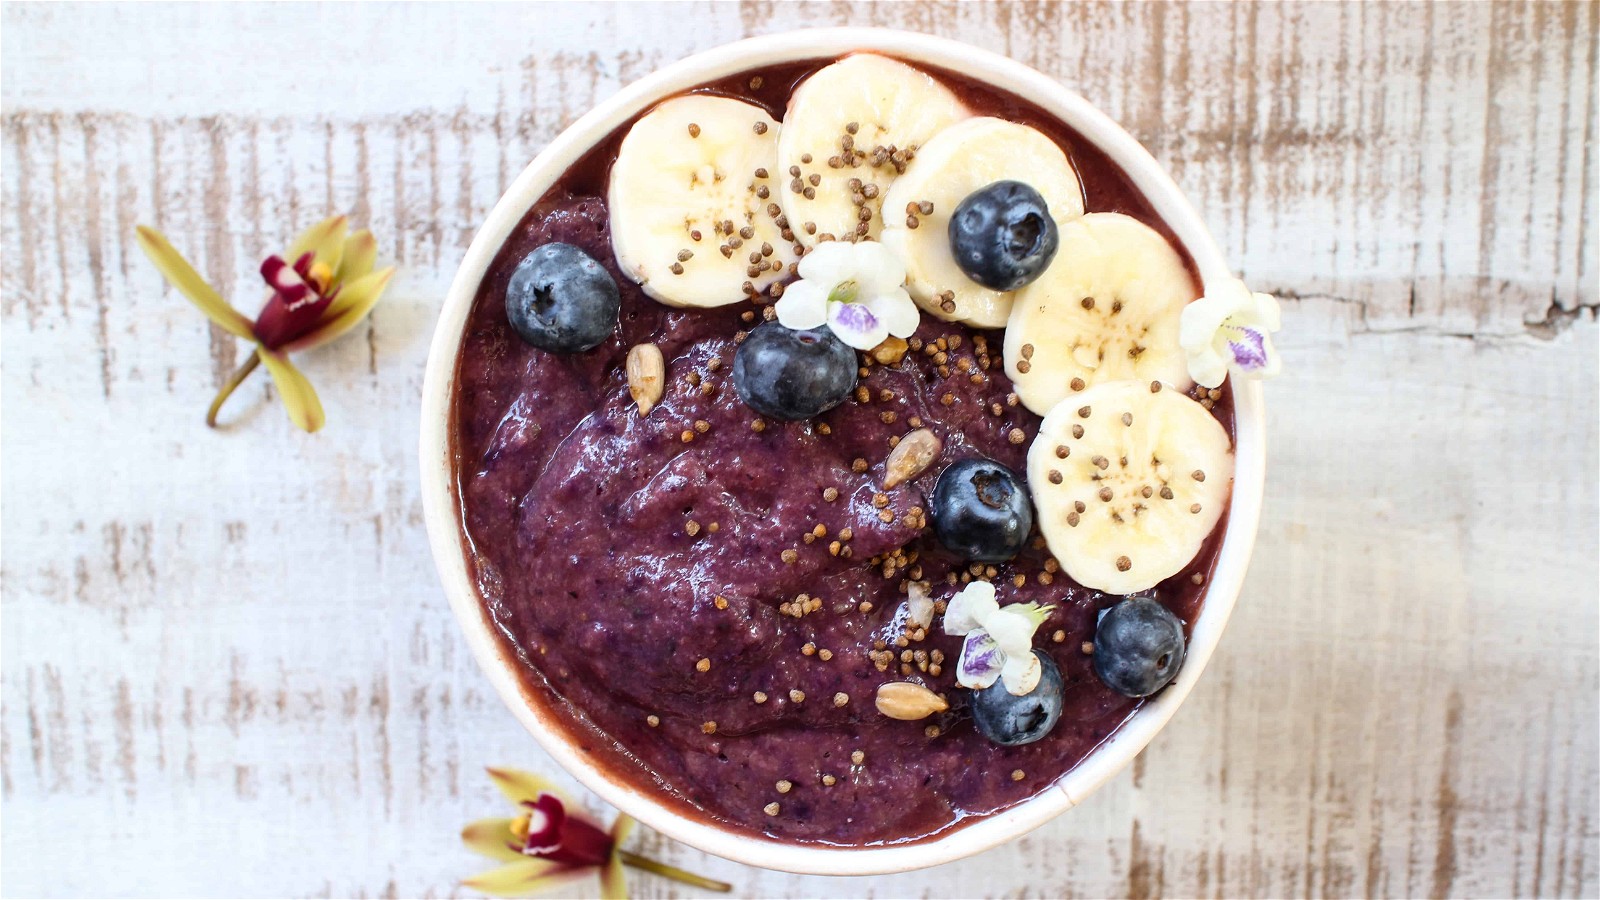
(618, 556)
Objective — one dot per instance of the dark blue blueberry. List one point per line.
(981, 511)
(1138, 647)
(793, 375)
(1002, 235)
(561, 300)
(1009, 720)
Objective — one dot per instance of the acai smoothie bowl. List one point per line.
(842, 449)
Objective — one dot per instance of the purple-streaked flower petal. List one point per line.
(855, 324)
(1248, 347)
(981, 661)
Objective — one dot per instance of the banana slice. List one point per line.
(864, 117)
(956, 162)
(1128, 479)
(689, 219)
(1107, 309)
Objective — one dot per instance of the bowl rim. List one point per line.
(442, 511)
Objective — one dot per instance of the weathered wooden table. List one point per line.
(228, 667)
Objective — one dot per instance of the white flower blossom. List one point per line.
(999, 639)
(1230, 328)
(855, 289)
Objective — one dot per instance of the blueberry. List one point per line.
(1011, 721)
(1002, 235)
(561, 300)
(981, 511)
(793, 375)
(1138, 647)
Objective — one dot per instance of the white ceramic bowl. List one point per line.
(442, 508)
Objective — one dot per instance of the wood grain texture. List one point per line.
(227, 666)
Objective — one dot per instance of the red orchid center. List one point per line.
(300, 295)
(547, 832)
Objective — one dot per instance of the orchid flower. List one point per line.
(1230, 328)
(999, 639)
(551, 844)
(325, 291)
(857, 289)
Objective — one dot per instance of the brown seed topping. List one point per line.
(1086, 648)
(1124, 564)
(1155, 387)
(1077, 431)
(841, 699)
(652, 720)
(852, 127)
(1101, 463)
(908, 702)
(790, 557)
(911, 457)
(1198, 475)
(759, 697)
(857, 757)
(1072, 519)
(1166, 492)
(771, 809)
(824, 654)
(1079, 506)
(704, 665)
(1088, 302)
(1194, 507)
(797, 696)
(925, 207)
(1076, 384)
(1018, 775)
(830, 494)
(691, 527)
(1105, 494)
(719, 601)
(1063, 451)
(1027, 351)
(1055, 477)
(694, 130)
(709, 728)
(912, 222)
(647, 377)
(1127, 418)
(760, 127)
(1197, 578)
(1024, 367)
(1017, 436)
(1083, 412)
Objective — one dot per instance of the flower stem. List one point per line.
(234, 380)
(672, 872)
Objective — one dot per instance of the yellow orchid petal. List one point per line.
(526, 878)
(518, 786)
(613, 880)
(621, 829)
(360, 254)
(491, 838)
(177, 270)
(299, 397)
(324, 241)
(352, 304)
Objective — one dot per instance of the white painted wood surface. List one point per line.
(227, 667)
